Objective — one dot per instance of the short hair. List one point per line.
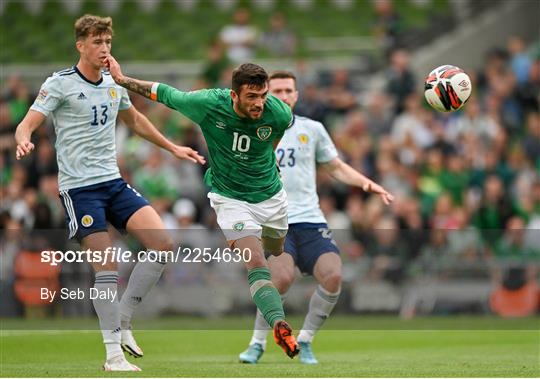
(283, 74)
(91, 25)
(248, 73)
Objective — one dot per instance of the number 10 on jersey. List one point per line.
(241, 142)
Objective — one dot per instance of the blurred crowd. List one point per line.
(467, 184)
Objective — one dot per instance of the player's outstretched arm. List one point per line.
(141, 126)
(193, 104)
(23, 134)
(348, 175)
(141, 87)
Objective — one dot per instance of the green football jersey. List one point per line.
(241, 154)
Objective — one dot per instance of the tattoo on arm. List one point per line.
(139, 86)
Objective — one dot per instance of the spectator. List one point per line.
(16, 101)
(520, 62)
(336, 219)
(411, 124)
(339, 95)
(472, 124)
(434, 258)
(310, 105)
(532, 139)
(401, 81)
(430, 184)
(158, 181)
(529, 92)
(239, 37)
(455, 178)
(512, 254)
(279, 40)
(388, 252)
(378, 115)
(216, 63)
(387, 26)
(495, 210)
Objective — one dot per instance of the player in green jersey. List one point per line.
(241, 126)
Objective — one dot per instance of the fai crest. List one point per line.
(238, 226)
(263, 132)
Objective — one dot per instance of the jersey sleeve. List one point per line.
(193, 105)
(125, 102)
(50, 96)
(283, 116)
(325, 150)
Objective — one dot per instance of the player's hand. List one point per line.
(373, 187)
(24, 148)
(114, 68)
(184, 152)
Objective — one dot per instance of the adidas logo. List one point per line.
(81, 96)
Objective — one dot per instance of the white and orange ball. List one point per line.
(447, 88)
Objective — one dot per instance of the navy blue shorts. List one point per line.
(306, 242)
(89, 208)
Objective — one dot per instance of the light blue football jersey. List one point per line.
(304, 145)
(84, 117)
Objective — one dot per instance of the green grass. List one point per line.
(390, 348)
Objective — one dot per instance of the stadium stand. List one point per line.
(462, 179)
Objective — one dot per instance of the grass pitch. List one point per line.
(385, 347)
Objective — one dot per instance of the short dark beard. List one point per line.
(244, 111)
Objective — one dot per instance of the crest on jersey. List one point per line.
(263, 132)
(238, 226)
(112, 93)
(87, 221)
(303, 138)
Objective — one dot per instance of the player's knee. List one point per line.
(283, 280)
(332, 281)
(164, 244)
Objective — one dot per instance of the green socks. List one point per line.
(265, 295)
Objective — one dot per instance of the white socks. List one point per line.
(108, 310)
(320, 306)
(261, 330)
(143, 278)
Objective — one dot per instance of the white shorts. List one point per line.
(238, 219)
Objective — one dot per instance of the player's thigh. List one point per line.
(235, 218)
(100, 242)
(148, 228)
(327, 271)
(313, 243)
(272, 214)
(124, 201)
(85, 210)
(283, 271)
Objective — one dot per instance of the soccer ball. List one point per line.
(447, 88)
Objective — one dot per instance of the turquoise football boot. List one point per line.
(252, 354)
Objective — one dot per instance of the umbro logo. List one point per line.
(81, 96)
(220, 125)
